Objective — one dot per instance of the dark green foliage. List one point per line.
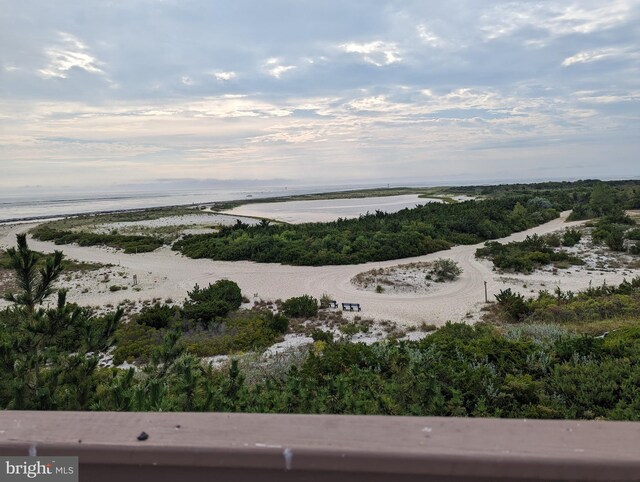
(35, 283)
(277, 322)
(633, 234)
(459, 370)
(157, 316)
(240, 332)
(372, 237)
(47, 355)
(129, 243)
(553, 240)
(615, 240)
(136, 342)
(594, 304)
(611, 231)
(300, 306)
(512, 304)
(571, 237)
(524, 256)
(212, 303)
(321, 335)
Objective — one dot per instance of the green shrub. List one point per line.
(136, 342)
(611, 233)
(525, 256)
(209, 305)
(615, 240)
(633, 234)
(300, 306)
(241, 332)
(571, 237)
(321, 335)
(277, 322)
(513, 304)
(129, 243)
(156, 316)
(553, 240)
(372, 237)
(445, 270)
(351, 329)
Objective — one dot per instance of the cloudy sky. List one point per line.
(104, 92)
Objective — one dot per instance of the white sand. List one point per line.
(184, 220)
(167, 274)
(325, 210)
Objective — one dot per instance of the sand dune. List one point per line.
(170, 275)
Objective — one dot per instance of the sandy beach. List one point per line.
(165, 274)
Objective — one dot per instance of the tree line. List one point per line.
(372, 237)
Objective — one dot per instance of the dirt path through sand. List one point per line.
(170, 275)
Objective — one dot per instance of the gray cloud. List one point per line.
(245, 89)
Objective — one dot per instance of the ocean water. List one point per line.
(28, 205)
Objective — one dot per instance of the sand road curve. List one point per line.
(173, 275)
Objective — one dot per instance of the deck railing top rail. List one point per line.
(221, 446)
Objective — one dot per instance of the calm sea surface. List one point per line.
(14, 207)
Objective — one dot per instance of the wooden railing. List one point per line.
(257, 447)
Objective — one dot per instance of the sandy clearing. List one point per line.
(183, 220)
(325, 210)
(170, 275)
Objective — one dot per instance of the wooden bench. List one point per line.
(351, 307)
(333, 304)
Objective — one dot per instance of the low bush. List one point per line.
(321, 335)
(209, 305)
(277, 322)
(571, 237)
(136, 342)
(514, 305)
(633, 234)
(128, 243)
(301, 306)
(241, 332)
(445, 269)
(526, 256)
(157, 316)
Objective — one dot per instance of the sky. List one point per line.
(104, 93)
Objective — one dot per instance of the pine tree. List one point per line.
(48, 355)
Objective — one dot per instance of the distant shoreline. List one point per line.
(219, 206)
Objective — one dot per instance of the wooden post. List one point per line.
(486, 298)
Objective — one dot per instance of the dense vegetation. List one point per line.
(525, 256)
(129, 243)
(372, 237)
(47, 355)
(208, 324)
(612, 230)
(587, 198)
(459, 370)
(565, 307)
(542, 361)
(301, 306)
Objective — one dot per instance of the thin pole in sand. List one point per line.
(486, 298)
